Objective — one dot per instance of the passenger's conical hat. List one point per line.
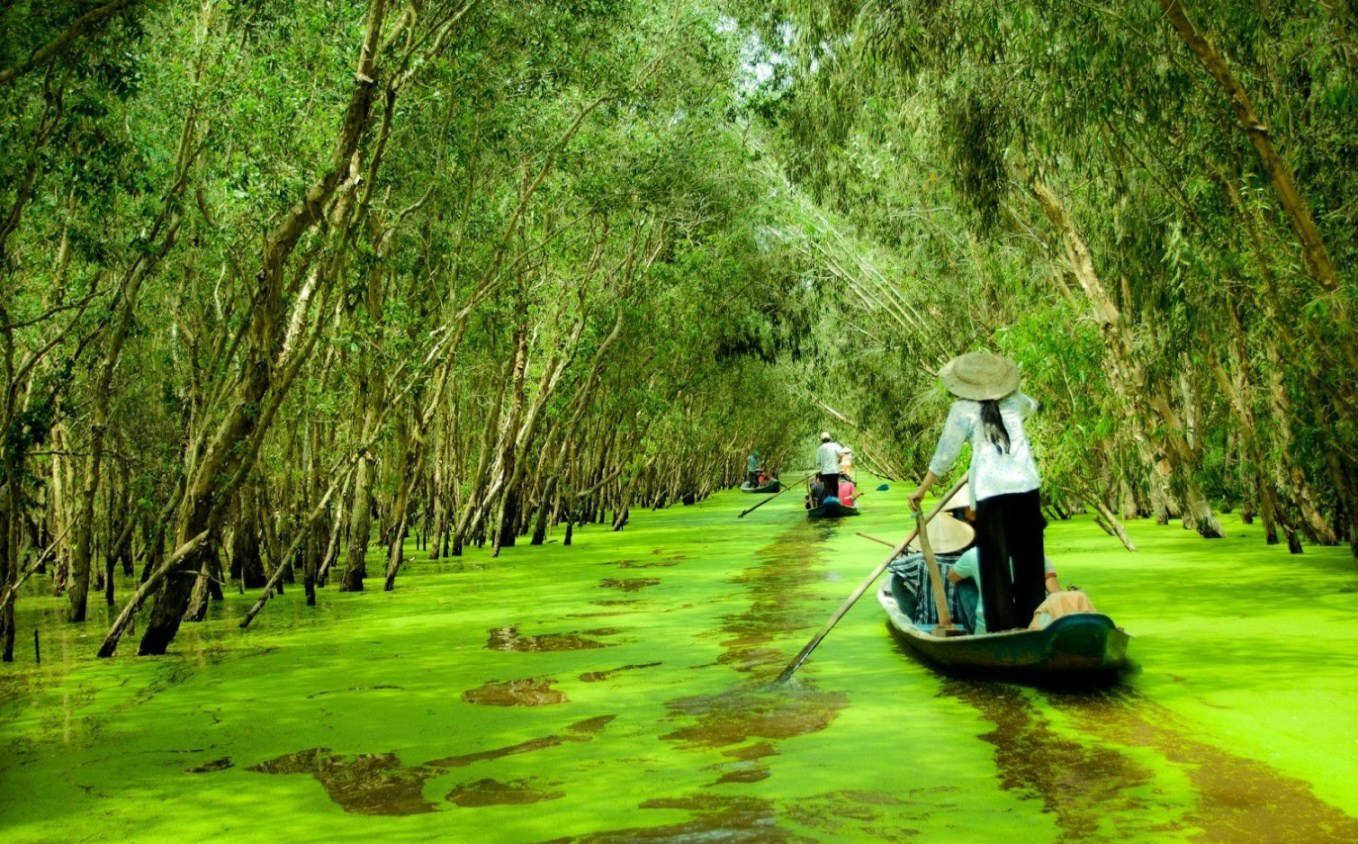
(947, 535)
(961, 498)
(980, 376)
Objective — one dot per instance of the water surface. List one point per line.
(619, 690)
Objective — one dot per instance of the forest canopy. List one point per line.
(285, 284)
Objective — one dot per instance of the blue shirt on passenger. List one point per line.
(969, 566)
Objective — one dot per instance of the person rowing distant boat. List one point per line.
(989, 412)
(827, 464)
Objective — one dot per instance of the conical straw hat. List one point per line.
(961, 498)
(947, 535)
(980, 376)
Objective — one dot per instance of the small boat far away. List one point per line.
(1081, 648)
(768, 486)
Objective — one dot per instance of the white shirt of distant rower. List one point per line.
(827, 458)
(992, 472)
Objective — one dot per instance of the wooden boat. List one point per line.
(1082, 647)
(831, 510)
(770, 486)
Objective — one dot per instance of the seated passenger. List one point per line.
(817, 489)
(968, 568)
(1059, 603)
(910, 579)
(846, 491)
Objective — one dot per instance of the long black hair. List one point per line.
(992, 423)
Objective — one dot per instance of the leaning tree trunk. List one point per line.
(1128, 375)
(234, 447)
(247, 563)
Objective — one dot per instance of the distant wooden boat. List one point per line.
(771, 486)
(1082, 647)
(831, 510)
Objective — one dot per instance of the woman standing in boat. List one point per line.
(989, 413)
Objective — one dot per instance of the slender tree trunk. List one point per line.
(234, 447)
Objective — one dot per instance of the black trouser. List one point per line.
(752, 478)
(831, 484)
(1009, 530)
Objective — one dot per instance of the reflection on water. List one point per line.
(1082, 784)
(1238, 799)
(1092, 786)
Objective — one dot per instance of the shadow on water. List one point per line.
(1091, 787)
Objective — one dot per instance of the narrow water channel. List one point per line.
(620, 690)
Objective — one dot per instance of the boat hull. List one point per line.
(833, 510)
(771, 486)
(1082, 647)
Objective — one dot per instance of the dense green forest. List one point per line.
(286, 281)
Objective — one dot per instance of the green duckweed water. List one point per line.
(618, 690)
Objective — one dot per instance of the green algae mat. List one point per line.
(619, 690)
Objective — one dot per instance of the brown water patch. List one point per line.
(380, 687)
(530, 691)
(777, 589)
(597, 676)
(580, 731)
(590, 726)
(752, 751)
(734, 716)
(651, 564)
(1238, 799)
(1077, 783)
(628, 584)
(496, 753)
(215, 765)
(615, 602)
(489, 792)
(509, 639)
(367, 784)
(870, 814)
(725, 819)
(743, 775)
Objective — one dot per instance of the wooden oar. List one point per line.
(770, 498)
(880, 541)
(945, 627)
(865, 586)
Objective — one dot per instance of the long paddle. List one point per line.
(865, 586)
(770, 498)
(945, 627)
